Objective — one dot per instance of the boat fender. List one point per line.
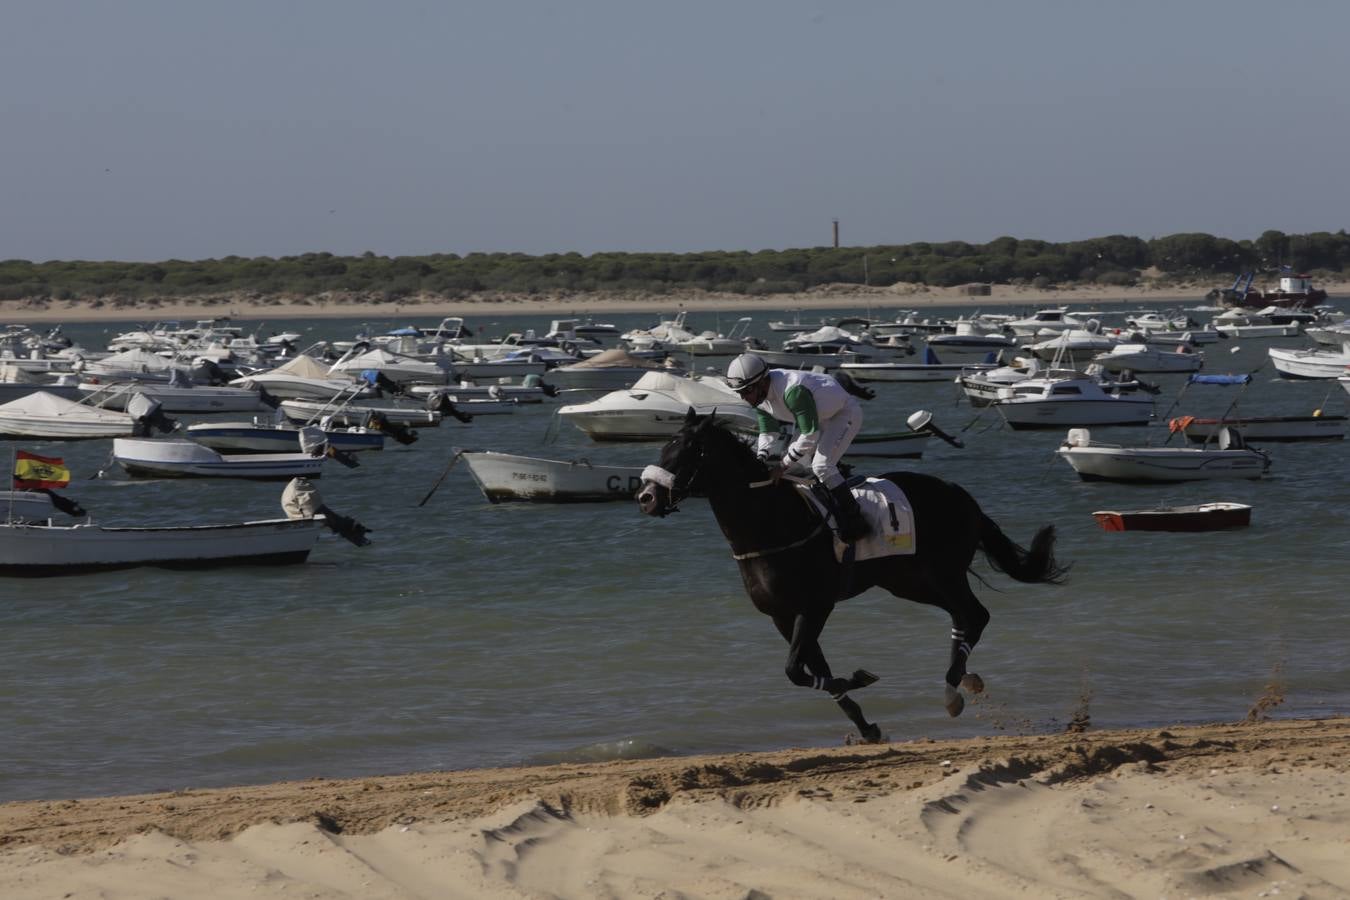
(149, 415)
(301, 500)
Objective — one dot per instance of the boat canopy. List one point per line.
(1220, 379)
(608, 359)
(303, 367)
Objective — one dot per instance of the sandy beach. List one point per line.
(1246, 809)
(883, 300)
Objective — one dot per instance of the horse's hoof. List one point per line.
(870, 735)
(954, 701)
(973, 683)
(862, 678)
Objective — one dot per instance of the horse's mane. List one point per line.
(726, 442)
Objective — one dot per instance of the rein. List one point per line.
(820, 524)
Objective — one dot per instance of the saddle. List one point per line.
(886, 510)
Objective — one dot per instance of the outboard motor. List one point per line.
(301, 500)
(314, 441)
(401, 433)
(266, 399)
(442, 404)
(534, 379)
(215, 375)
(847, 383)
(149, 416)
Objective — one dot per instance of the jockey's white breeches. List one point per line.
(836, 433)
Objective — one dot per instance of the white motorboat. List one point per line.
(654, 408)
(279, 437)
(1332, 335)
(188, 459)
(710, 343)
(505, 477)
(483, 406)
(610, 370)
(1193, 336)
(134, 364)
(16, 382)
(300, 378)
(1228, 459)
(1056, 319)
(44, 415)
(666, 333)
(1054, 402)
(33, 549)
(1147, 358)
(397, 367)
(1154, 321)
(973, 336)
(179, 395)
(1311, 363)
(931, 369)
(514, 364)
(1237, 323)
(521, 393)
(1074, 342)
(358, 413)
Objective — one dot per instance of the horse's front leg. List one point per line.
(806, 667)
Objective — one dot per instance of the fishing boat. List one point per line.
(358, 413)
(506, 477)
(609, 370)
(1262, 429)
(188, 459)
(1149, 359)
(1238, 323)
(1227, 459)
(33, 548)
(179, 395)
(931, 369)
(280, 437)
(1311, 363)
(1199, 517)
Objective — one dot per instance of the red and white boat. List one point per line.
(1201, 517)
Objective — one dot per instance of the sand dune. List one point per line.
(1221, 810)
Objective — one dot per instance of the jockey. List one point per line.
(827, 421)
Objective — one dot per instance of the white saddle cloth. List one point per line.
(889, 518)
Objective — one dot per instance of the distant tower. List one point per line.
(836, 234)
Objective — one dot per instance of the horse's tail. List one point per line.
(1032, 566)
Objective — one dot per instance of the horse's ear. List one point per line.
(691, 417)
(708, 421)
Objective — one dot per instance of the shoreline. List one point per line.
(893, 298)
(1120, 796)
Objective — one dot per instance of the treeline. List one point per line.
(1116, 260)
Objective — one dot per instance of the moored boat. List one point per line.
(1199, 517)
(1095, 461)
(28, 548)
(507, 477)
(1262, 428)
(188, 459)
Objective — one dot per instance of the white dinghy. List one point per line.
(188, 459)
(44, 415)
(1228, 459)
(506, 477)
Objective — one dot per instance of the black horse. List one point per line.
(785, 551)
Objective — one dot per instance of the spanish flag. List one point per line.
(33, 471)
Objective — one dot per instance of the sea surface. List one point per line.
(470, 634)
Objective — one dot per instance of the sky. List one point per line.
(189, 130)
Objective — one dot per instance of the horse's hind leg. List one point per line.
(806, 667)
(969, 617)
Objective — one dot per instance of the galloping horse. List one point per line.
(785, 551)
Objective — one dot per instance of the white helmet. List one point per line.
(746, 370)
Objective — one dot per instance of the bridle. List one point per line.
(675, 490)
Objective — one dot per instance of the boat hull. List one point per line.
(187, 459)
(1146, 465)
(503, 477)
(1284, 429)
(241, 437)
(1072, 413)
(1202, 517)
(40, 550)
(906, 371)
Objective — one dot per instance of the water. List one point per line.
(478, 635)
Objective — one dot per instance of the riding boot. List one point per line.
(848, 516)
